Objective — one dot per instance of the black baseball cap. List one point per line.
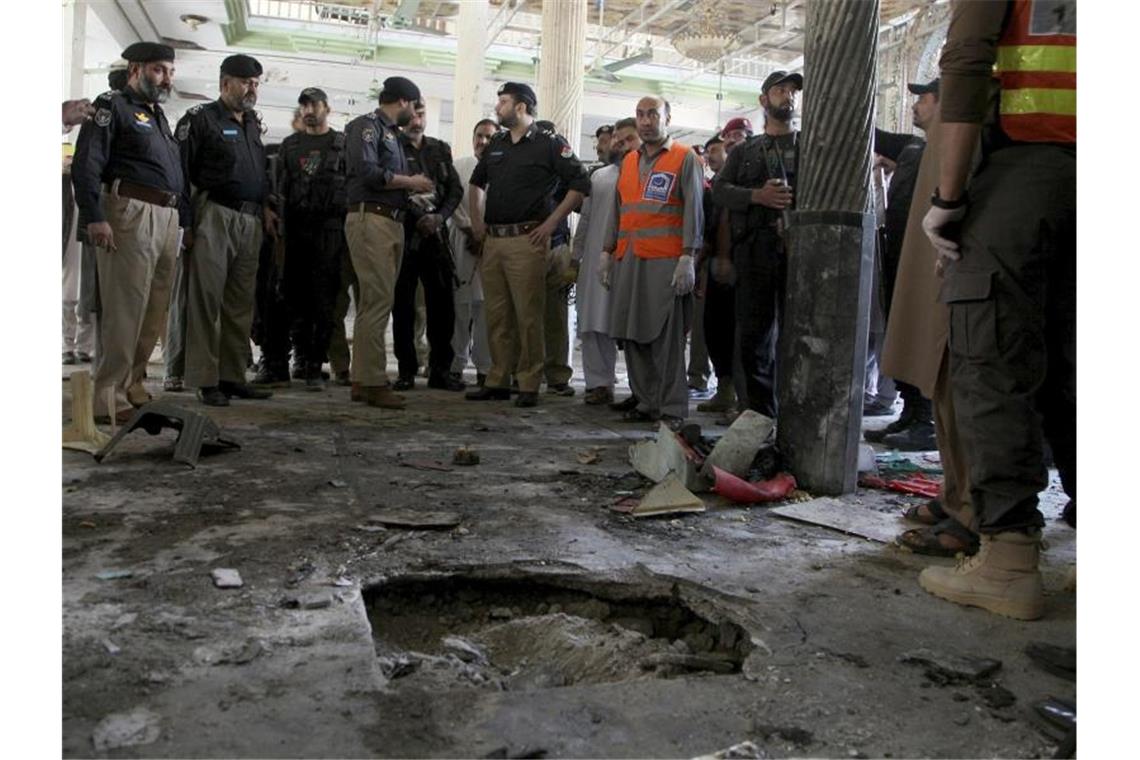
(313, 94)
(520, 91)
(779, 77)
(922, 89)
(147, 52)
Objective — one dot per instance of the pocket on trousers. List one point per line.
(973, 314)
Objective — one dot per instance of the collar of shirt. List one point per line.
(382, 117)
(136, 99)
(530, 132)
(666, 145)
(224, 112)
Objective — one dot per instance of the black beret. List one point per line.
(605, 129)
(146, 52)
(520, 91)
(399, 88)
(242, 66)
(310, 94)
(117, 79)
(715, 139)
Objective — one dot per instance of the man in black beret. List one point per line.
(516, 178)
(223, 157)
(378, 185)
(127, 148)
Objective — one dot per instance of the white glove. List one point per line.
(685, 275)
(935, 224)
(605, 263)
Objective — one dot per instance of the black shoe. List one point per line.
(272, 376)
(298, 371)
(917, 436)
(243, 390)
(527, 398)
(446, 383)
(514, 387)
(877, 408)
(314, 378)
(69, 357)
(343, 377)
(560, 389)
(404, 383)
(213, 396)
(625, 406)
(1069, 513)
(480, 378)
(674, 423)
(489, 394)
(83, 357)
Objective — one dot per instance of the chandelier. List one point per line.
(705, 41)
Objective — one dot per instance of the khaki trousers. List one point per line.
(134, 288)
(376, 245)
(514, 296)
(219, 296)
(955, 494)
(556, 320)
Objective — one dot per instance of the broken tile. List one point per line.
(942, 667)
(225, 577)
(668, 496)
(130, 729)
(737, 448)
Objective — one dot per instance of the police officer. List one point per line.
(427, 259)
(224, 159)
(127, 147)
(518, 172)
(603, 139)
(312, 190)
(378, 185)
(755, 186)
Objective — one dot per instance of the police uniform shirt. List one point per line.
(520, 177)
(223, 156)
(374, 155)
(127, 139)
(433, 159)
(755, 161)
(312, 177)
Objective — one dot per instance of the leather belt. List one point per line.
(242, 207)
(393, 213)
(125, 189)
(511, 230)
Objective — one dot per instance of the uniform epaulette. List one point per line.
(108, 94)
(194, 109)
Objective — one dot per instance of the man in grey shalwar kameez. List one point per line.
(599, 350)
(651, 302)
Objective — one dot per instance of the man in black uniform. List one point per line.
(378, 186)
(519, 171)
(128, 148)
(755, 186)
(312, 191)
(224, 159)
(427, 259)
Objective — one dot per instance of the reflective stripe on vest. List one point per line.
(1037, 64)
(652, 212)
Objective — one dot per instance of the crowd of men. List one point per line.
(678, 260)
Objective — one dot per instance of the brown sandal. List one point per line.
(935, 513)
(926, 540)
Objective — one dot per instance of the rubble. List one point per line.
(225, 577)
(735, 451)
(131, 729)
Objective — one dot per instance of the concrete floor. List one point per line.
(233, 673)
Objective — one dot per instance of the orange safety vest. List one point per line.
(1037, 65)
(652, 213)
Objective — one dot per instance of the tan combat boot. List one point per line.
(1002, 577)
(724, 400)
(381, 396)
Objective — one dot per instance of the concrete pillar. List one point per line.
(561, 69)
(74, 49)
(471, 34)
(831, 238)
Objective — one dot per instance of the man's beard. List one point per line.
(782, 113)
(311, 121)
(510, 121)
(404, 118)
(152, 92)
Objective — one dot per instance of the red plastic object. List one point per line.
(915, 484)
(743, 492)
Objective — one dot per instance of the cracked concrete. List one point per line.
(234, 673)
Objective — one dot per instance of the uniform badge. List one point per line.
(389, 136)
(102, 117)
(567, 152)
(183, 131)
(658, 185)
(142, 120)
(369, 134)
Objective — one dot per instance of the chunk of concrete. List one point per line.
(130, 729)
(952, 668)
(668, 496)
(665, 454)
(735, 451)
(226, 577)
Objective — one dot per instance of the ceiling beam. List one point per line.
(502, 19)
(623, 32)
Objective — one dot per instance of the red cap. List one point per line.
(737, 123)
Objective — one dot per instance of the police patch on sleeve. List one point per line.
(183, 131)
(102, 117)
(567, 151)
(369, 134)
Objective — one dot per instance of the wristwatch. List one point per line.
(939, 202)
